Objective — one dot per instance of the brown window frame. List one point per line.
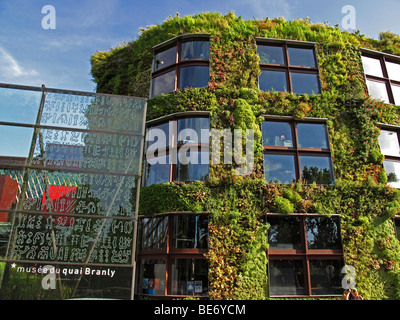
(175, 147)
(170, 253)
(383, 58)
(295, 150)
(305, 254)
(176, 67)
(287, 67)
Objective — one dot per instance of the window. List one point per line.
(288, 66)
(171, 254)
(177, 149)
(296, 150)
(382, 72)
(181, 63)
(390, 148)
(305, 255)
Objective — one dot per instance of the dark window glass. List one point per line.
(311, 135)
(154, 233)
(195, 50)
(305, 83)
(194, 77)
(392, 169)
(316, 169)
(323, 233)
(190, 231)
(164, 83)
(326, 277)
(157, 170)
(271, 54)
(192, 165)
(279, 167)
(397, 228)
(164, 58)
(286, 277)
(275, 133)
(195, 124)
(152, 277)
(189, 277)
(284, 232)
(158, 136)
(272, 80)
(302, 57)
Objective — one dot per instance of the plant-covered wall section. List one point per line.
(237, 204)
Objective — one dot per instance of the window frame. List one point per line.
(169, 253)
(295, 150)
(174, 149)
(304, 253)
(176, 67)
(385, 79)
(287, 67)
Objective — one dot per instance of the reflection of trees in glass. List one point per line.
(284, 232)
(314, 174)
(392, 177)
(323, 233)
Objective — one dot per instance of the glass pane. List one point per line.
(316, 169)
(164, 58)
(192, 166)
(190, 231)
(271, 54)
(275, 133)
(189, 277)
(389, 143)
(302, 57)
(284, 232)
(396, 94)
(5, 232)
(15, 142)
(323, 233)
(279, 167)
(53, 238)
(163, 84)
(377, 90)
(312, 135)
(305, 83)
(372, 66)
(157, 170)
(190, 130)
(151, 277)
(286, 277)
(392, 169)
(194, 77)
(393, 70)
(158, 136)
(326, 277)
(195, 50)
(19, 106)
(272, 80)
(153, 233)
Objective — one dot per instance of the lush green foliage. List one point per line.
(236, 204)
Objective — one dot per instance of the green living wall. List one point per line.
(237, 204)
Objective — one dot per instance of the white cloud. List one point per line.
(11, 70)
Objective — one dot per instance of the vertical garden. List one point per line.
(237, 204)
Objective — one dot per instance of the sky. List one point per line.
(60, 57)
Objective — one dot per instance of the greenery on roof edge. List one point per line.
(237, 255)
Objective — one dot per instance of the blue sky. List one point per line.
(60, 58)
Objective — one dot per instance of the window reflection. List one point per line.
(194, 77)
(192, 165)
(286, 277)
(190, 231)
(326, 277)
(158, 172)
(389, 143)
(272, 80)
(372, 66)
(312, 135)
(275, 133)
(195, 124)
(279, 167)
(323, 233)
(164, 58)
(152, 277)
(378, 90)
(305, 83)
(303, 57)
(153, 233)
(396, 94)
(271, 54)
(392, 169)
(195, 50)
(189, 277)
(316, 169)
(393, 70)
(284, 232)
(164, 83)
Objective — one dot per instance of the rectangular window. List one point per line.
(382, 72)
(390, 148)
(296, 150)
(288, 66)
(305, 255)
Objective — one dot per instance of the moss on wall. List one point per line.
(237, 255)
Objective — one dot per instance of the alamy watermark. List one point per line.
(49, 20)
(349, 20)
